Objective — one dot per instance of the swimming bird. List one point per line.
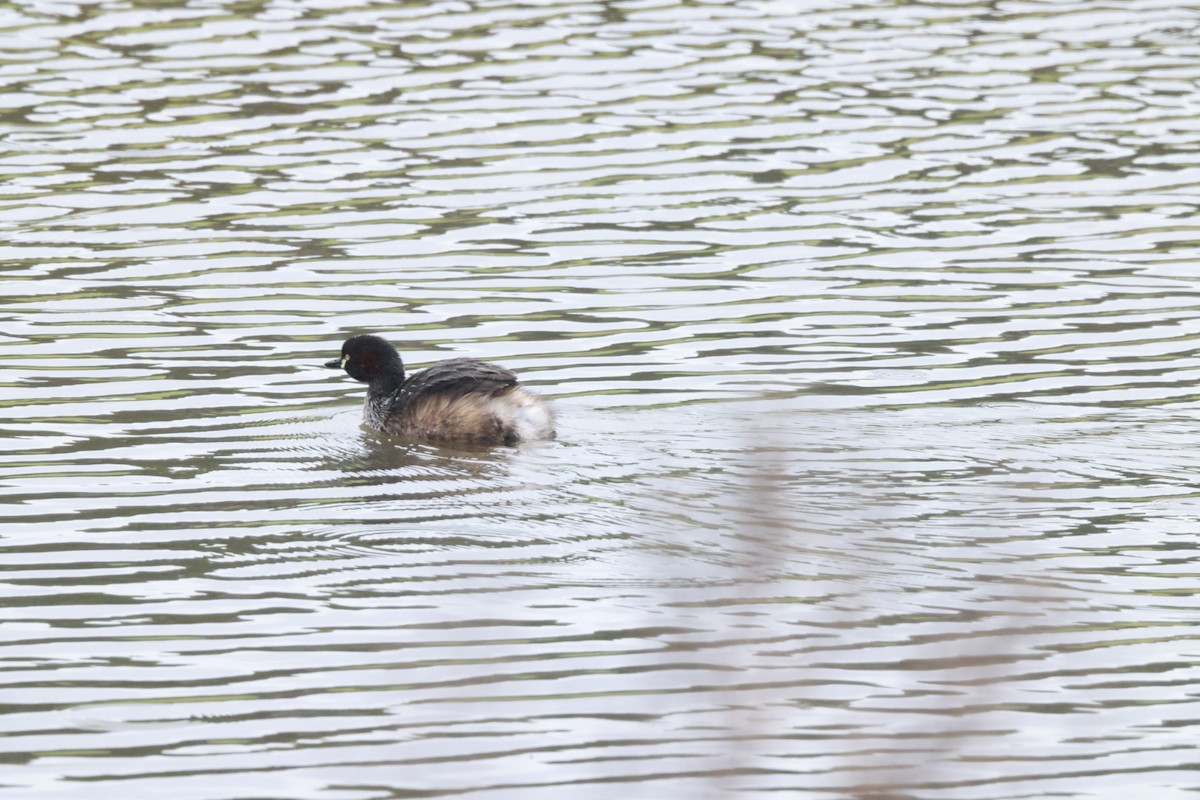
(458, 400)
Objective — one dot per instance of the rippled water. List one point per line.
(873, 329)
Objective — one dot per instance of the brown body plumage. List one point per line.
(458, 400)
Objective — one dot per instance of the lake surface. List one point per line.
(874, 331)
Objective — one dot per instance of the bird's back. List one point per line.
(467, 400)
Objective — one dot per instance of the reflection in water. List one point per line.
(871, 330)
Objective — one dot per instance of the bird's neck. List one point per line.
(386, 381)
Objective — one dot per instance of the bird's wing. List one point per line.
(457, 377)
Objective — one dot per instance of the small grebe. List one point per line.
(458, 400)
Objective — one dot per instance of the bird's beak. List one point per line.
(337, 363)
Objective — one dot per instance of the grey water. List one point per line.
(873, 328)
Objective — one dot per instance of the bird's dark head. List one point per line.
(367, 358)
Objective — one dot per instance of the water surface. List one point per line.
(872, 327)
